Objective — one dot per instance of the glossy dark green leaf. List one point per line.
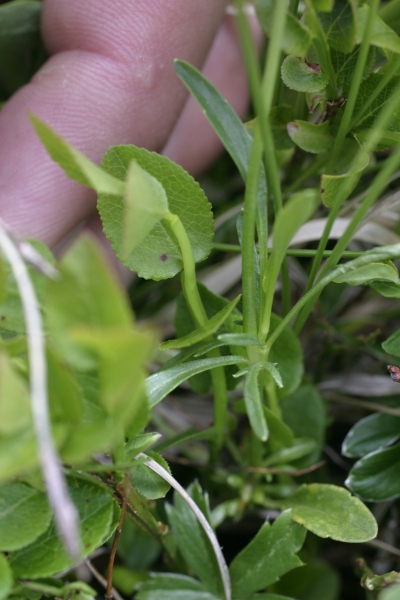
(288, 356)
(301, 76)
(375, 477)
(340, 25)
(253, 401)
(270, 554)
(24, 515)
(309, 137)
(194, 545)
(6, 578)
(162, 383)
(330, 511)
(304, 411)
(146, 481)
(159, 255)
(46, 556)
(370, 434)
(171, 586)
(205, 331)
(392, 344)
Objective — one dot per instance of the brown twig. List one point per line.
(109, 592)
(101, 579)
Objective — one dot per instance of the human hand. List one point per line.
(110, 80)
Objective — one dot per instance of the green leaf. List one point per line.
(310, 137)
(287, 354)
(279, 117)
(194, 545)
(344, 66)
(376, 476)
(46, 555)
(331, 511)
(239, 339)
(24, 515)
(75, 164)
(269, 597)
(147, 482)
(340, 25)
(382, 35)
(371, 433)
(392, 592)
(304, 412)
(6, 578)
(280, 435)
(368, 273)
(387, 139)
(270, 554)
(370, 116)
(253, 401)
(146, 204)
(296, 38)
(171, 586)
(205, 331)
(3, 280)
(315, 580)
(392, 344)
(15, 406)
(65, 400)
(302, 76)
(299, 449)
(162, 383)
(386, 289)
(323, 5)
(159, 255)
(140, 443)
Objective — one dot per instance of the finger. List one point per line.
(193, 143)
(109, 81)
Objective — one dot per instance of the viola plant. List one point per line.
(316, 162)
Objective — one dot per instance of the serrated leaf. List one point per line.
(296, 38)
(340, 25)
(253, 401)
(6, 577)
(370, 434)
(140, 443)
(148, 483)
(270, 554)
(15, 406)
(310, 137)
(331, 511)
(47, 556)
(194, 545)
(145, 204)
(159, 255)
(302, 76)
(24, 515)
(392, 344)
(171, 586)
(201, 333)
(75, 164)
(376, 476)
(369, 273)
(162, 383)
(382, 35)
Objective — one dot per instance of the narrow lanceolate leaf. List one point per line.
(270, 554)
(75, 164)
(146, 203)
(371, 433)
(159, 255)
(205, 331)
(162, 383)
(239, 339)
(375, 477)
(253, 401)
(302, 76)
(331, 511)
(368, 273)
(310, 137)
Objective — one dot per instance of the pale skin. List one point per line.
(110, 80)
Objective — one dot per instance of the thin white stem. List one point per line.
(154, 466)
(65, 514)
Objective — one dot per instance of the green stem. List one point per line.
(382, 253)
(301, 253)
(355, 86)
(190, 289)
(322, 49)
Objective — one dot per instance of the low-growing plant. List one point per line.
(264, 355)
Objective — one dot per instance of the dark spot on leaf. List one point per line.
(322, 191)
(163, 257)
(314, 67)
(3, 318)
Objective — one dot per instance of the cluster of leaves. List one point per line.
(342, 60)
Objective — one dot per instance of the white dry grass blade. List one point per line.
(65, 514)
(372, 233)
(157, 468)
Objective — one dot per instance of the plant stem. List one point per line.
(322, 49)
(355, 86)
(301, 253)
(65, 513)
